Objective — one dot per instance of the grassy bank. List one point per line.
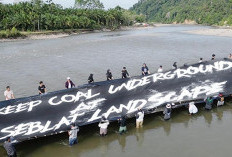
(13, 33)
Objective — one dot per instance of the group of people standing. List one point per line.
(104, 123)
(109, 76)
(139, 114)
(209, 101)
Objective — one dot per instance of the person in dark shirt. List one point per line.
(167, 112)
(69, 83)
(208, 103)
(145, 70)
(122, 124)
(9, 147)
(125, 74)
(42, 89)
(90, 79)
(109, 75)
(174, 66)
(213, 56)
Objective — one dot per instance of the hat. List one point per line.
(220, 94)
(168, 106)
(68, 78)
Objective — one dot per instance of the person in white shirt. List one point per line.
(160, 70)
(69, 83)
(139, 118)
(103, 126)
(9, 93)
(201, 60)
(192, 108)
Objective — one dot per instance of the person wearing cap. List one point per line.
(69, 83)
(192, 108)
(122, 124)
(220, 100)
(167, 112)
(42, 89)
(109, 75)
(90, 79)
(160, 70)
(174, 66)
(208, 103)
(145, 70)
(213, 56)
(125, 73)
(139, 118)
(9, 147)
(9, 93)
(73, 134)
(103, 125)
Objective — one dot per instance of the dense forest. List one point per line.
(209, 12)
(37, 15)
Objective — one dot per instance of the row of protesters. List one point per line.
(69, 84)
(210, 100)
(168, 110)
(103, 125)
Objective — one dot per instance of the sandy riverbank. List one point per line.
(227, 32)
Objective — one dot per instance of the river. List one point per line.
(24, 63)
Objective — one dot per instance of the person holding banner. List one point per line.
(109, 75)
(73, 134)
(160, 70)
(90, 79)
(42, 89)
(145, 70)
(208, 103)
(192, 108)
(103, 126)
(9, 93)
(122, 124)
(167, 112)
(69, 83)
(9, 147)
(139, 118)
(125, 73)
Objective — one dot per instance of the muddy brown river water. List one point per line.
(24, 63)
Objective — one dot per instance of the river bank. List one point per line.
(65, 33)
(215, 31)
